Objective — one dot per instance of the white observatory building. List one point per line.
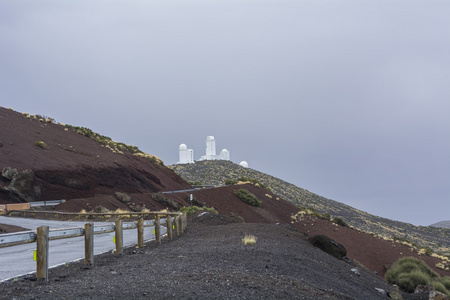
(211, 151)
(186, 155)
(243, 164)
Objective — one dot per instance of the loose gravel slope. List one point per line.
(209, 262)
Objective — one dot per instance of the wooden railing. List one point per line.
(175, 222)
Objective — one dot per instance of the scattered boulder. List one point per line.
(356, 271)
(122, 197)
(424, 288)
(382, 291)
(435, 295)
(329, 246)
(135, 207)
(101, 209)
(9, 173)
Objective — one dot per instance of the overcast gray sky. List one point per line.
(348, 99)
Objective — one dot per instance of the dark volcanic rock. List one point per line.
(328, 245)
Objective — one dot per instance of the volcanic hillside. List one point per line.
(375, 253)
(41, 160)
(217, 172)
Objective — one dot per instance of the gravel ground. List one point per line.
(209, 261)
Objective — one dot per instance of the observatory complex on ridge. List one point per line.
(187, 155)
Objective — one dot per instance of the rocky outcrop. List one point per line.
(329, 246)
(20, 185)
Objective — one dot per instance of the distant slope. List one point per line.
(216, 172)
(442, 224)
(43, 160)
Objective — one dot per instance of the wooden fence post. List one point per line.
(140, 226)
(89, 244)
(42, 253)
(177, 225)
(169, 227)
(184, 222)
(157, 229)
(119, 237)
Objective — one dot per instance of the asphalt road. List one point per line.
(18, 260)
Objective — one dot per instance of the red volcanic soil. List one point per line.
(71, 166)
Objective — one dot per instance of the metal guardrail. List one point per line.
(196, 188)
(46, 203)
(12, 239)
(86, 216)
(175, 226)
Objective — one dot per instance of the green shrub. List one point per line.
(190, 210)
(41, 144)
(446, 282)
(340, 222)
(230, 182)
(409, 272)
(254, 181)
(160, 198)
(326, 216)
(403, 240)
(409, 281)
(247, 197)
(440, 287)
(426, 251)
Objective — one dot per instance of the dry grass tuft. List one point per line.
(249, 240)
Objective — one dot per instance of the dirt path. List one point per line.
(4, 228)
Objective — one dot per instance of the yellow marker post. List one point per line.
(114, 239)
(34, 255)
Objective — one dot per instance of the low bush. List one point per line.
(190, 210)
(446, 282)
(340, 222)
(404, 241)
(247, 197)
(230, 182)
(409, 272)
(254, 181)
(440, 287)
(249, 240)
(312, 212)
(122, 197)
(237, 217)
(160, 198)
(41, 144)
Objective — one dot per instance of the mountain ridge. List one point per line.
(442, 224)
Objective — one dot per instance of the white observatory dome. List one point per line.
(243, 164)
(183, 146)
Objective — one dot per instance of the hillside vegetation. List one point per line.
(217, 172)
